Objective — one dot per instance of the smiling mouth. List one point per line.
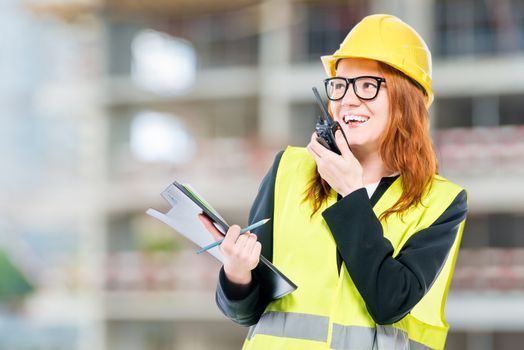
(355, 119)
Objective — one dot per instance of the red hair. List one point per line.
(405, 145)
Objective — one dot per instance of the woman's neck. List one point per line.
(373, 166)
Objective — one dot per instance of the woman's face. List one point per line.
(363, 121)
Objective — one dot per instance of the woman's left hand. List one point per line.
(342, 172)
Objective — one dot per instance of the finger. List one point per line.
(233, 249)
(255, 254)
(257, 250)
(313, 137)
(250, 243)
(314, 154)
(312, 140)
(317, 148)
(242, 241)
(323, 156)
(208, 224)
(341, 143)
(311, 151)
(231, 236)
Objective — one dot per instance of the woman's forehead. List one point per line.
(355, 64)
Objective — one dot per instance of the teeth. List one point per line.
(355, 119)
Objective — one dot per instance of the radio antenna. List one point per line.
(325, 114)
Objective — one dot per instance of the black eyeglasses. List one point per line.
(365, 87)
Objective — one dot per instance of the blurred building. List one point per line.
(105, 102)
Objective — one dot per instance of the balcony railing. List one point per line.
(481, 151)
(183, 271)
(477, 270)
(489, 269)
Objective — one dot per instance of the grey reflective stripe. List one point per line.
(391, 338)
(292, 325)
(313, 327)
(413, 345)
(396, 339)
(379, 338)
(352, 337)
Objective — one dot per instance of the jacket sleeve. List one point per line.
(245, 304)
(391, 287)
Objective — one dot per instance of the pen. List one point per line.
(242, 231)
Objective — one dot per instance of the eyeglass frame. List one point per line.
(351, 81)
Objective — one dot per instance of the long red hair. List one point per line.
(405, 145)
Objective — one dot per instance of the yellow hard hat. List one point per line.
(387, 39)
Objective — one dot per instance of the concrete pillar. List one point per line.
(480, 341)
(417, 13)
(274, 56)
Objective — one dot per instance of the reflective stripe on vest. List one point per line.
(315, 328)
(292, 325)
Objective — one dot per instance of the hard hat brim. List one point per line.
(329, 62)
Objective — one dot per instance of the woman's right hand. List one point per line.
(241, 252)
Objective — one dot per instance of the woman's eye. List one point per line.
(369, 85)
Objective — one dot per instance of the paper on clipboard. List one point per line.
(183, 218)
(186, 204)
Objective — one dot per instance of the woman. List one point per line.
(370, 236)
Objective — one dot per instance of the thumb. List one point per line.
(210, 227)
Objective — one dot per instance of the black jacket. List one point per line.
(391, 287)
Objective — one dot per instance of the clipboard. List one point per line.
(186, 204)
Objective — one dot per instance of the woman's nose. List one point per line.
(350, 98)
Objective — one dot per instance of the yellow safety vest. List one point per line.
(327, 311)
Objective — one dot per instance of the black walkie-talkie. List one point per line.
(326, 127)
